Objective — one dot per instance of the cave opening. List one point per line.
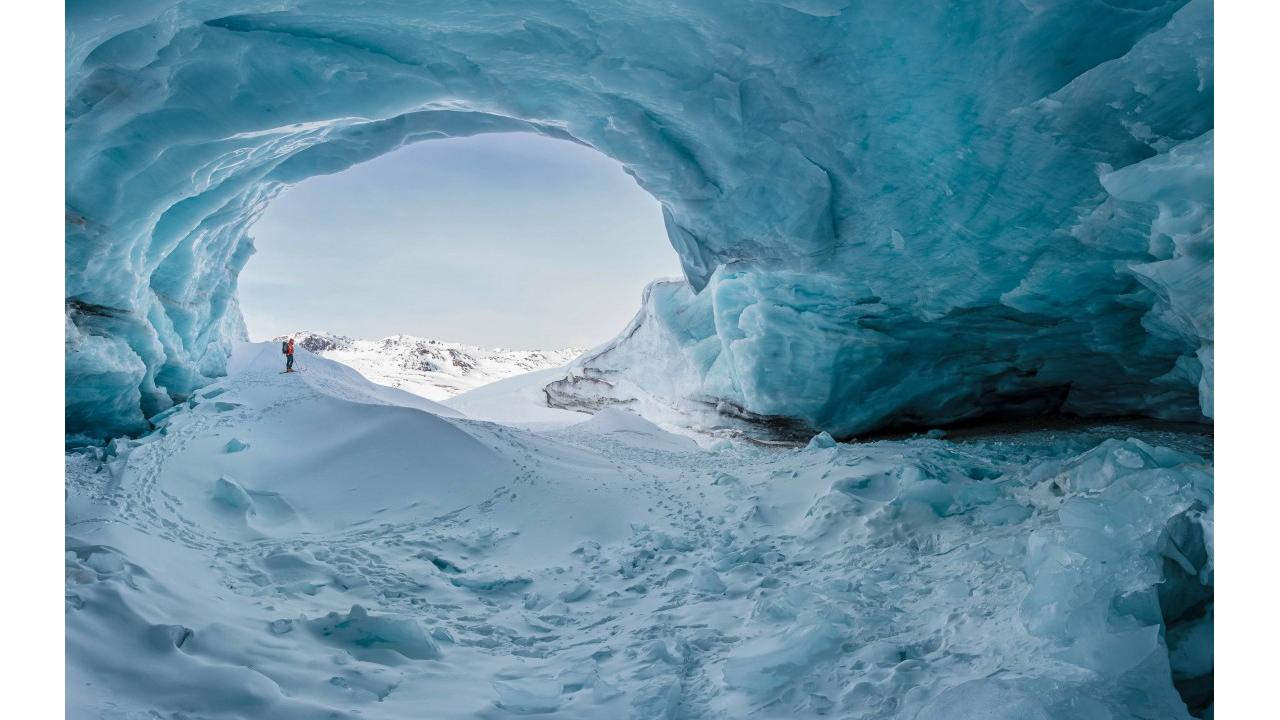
(943, 235)
(512, 240)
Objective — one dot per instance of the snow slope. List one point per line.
(434, 369)
(519, 401)
(308, 545)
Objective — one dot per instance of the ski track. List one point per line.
(885, 610)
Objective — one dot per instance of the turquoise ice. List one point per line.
(885, 215)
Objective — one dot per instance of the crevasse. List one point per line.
(885, 216)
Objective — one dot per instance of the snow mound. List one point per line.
(344, 496)
(519, 401)
(333, 379)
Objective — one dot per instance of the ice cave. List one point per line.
(891, 219)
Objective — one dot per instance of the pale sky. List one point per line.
(511, 240)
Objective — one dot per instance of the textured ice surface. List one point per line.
(884, 215)
(364, 557)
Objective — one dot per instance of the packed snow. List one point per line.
(313, 545)
(886, 216)
(435, 369)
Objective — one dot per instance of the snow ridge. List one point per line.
(434, 369)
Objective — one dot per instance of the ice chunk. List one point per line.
(229, 492)
(373, 637)
(821, 441)
(1191, 648)
(1114, 654)
(1126, 557)
(985, 700)
(578, 592)
(106, 562)
(529, 696)
(707, 581)
(768, 664)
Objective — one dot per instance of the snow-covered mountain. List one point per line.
(433, 369)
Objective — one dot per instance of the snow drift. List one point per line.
(884, 215)
(311, 545)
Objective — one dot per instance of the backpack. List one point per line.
(284, 347)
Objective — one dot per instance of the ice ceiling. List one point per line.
(886, 213)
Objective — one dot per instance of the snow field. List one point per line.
(313, 545)
(433, 369)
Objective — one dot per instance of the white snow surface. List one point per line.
(312, 545)
(519, 401)
(435, 369)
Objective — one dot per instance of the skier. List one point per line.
(287, 349)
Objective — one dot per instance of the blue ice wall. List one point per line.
(886, 214)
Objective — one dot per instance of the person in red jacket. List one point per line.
(288, 355)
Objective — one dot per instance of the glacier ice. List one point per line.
(884, 217)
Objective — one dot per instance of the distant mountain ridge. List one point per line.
(434, 369)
